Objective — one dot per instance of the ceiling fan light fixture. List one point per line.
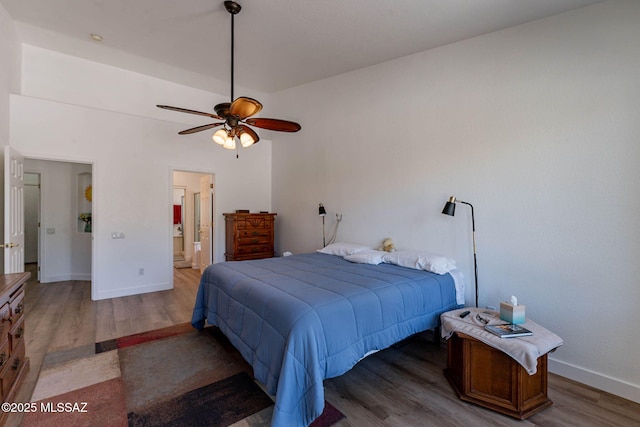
(220, 136)
(246, 140)
(229, 143)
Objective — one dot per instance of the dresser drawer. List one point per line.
(16, 335)
(254, 249)
(5, 321)
(6, 376)
(17, 307)
(10, 370)
(254, 232)
(5, 312)
(5, 354)
(254, 240)
(254, 223)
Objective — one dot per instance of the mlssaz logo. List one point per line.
(63, 407)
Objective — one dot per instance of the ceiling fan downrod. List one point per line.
(233, 8)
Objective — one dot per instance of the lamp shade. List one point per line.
(229, 143)
(246, 140)
(220, 136)
(321, 210)
(449, 208)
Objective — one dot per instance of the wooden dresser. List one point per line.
(249, 236)
(13, 363)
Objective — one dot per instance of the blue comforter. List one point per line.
(300, 319)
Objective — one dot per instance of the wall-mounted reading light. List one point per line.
(322, 212)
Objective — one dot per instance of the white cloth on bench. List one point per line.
(524, 350)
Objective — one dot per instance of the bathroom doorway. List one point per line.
(192, 219)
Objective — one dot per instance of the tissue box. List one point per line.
(512, 313)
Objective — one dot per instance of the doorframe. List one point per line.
(214, 231)
(94, 208)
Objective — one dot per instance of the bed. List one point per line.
(301, 319)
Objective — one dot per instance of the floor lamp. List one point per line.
(322, 212)
(450, 209)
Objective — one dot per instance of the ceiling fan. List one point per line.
(236, 115)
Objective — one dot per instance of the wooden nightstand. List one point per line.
(507, 375)
(488, 377)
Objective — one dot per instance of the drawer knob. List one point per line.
(16, 364)
(3, 358)
(19, 333)
(18, 309)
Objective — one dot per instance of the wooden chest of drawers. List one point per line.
(13, 363)
(249, 236)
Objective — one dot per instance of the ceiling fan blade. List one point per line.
(222, 110)
(184, 110)
(274, 124)
(199, 128)
(244, 107)
(248, 130)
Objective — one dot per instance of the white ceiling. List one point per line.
(279, 43)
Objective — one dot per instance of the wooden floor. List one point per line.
(401, 386)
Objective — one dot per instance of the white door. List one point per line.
(206, 223)
(13, 211)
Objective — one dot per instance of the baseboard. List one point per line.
(66, 277)
(601, 382)
(123, 292)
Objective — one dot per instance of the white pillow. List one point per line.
(342, 249)
(421, 260)
(367, 257)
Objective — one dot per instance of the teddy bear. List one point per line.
(387, 245)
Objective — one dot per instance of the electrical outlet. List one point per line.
(490, 307)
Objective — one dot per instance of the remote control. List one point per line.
(465, 314)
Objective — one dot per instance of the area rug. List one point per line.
(174, 376)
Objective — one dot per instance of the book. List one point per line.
(508, 331)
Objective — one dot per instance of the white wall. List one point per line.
(537, 126)
(111, 122)
(9, 83)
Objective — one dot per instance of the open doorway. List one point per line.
(58, 214)
(192, 219)
(32, 223)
